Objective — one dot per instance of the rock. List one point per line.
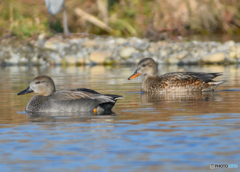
(153, 48)
(41, 40)
(126, 52)
(99, 56)
(42, 62)
(155, 58)
(173, 59)
(137, 55)
(232, 60)
(160, 61)
(181, 55)
(56, 59)
(109, 61)
(162, 43)
(229, 43)
(23, 60)
(14, 57)
(70, 59)
(50, 45)
(34, 60)
(90, 50)
(141, 46)
(238, 51)
(88, 62)
(146, 54)
(214, 50)
(120, 41)
(214, 58)
(76, 41)
(89, 43)
(232, 54)
(81, 60)
(175, 47)
(110, 42)
(163, 52)
(189, 60)
(81, 54)
(222, 48)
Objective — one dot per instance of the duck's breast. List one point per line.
(37, 103)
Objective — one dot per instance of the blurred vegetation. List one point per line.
(149, 18)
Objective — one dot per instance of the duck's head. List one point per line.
(146, 66)
(41, 85)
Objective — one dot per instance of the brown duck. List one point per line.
(175, 81)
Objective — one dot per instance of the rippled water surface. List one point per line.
(169, 132)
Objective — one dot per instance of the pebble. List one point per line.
(214, 58)
(70, 59)
(89, 43)
(126, 52)
(99, 56)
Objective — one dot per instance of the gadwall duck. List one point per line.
(48, 99)
(175, 81)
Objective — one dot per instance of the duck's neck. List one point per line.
(151, 76)
(153, 72)
(47, 92)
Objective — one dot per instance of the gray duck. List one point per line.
(48, 99)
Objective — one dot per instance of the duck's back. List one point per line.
(181, 82)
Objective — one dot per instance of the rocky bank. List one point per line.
(111, 50)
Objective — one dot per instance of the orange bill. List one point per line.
(134, 76)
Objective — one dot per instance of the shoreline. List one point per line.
(98, 50)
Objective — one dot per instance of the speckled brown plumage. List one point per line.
(174, 82)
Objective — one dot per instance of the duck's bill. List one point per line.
(26, 91)
(134, 75)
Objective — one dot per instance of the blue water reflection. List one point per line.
(125, 145)
(145, 132)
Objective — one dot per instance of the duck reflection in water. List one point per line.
(70, 117)
(150, 97)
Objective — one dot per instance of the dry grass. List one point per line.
(127, 17)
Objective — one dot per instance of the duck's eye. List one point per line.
(143, 65)
(38, 82)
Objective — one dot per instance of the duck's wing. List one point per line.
(85, 90)
(187, 76)
(113, 96)
(205, 77)
(82, 93)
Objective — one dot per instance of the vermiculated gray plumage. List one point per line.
(71, 100)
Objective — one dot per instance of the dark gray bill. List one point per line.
(27, 90)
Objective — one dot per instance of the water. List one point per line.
(171, 132)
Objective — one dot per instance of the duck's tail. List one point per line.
(114, 97)
(211, 86)
(108, 105)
